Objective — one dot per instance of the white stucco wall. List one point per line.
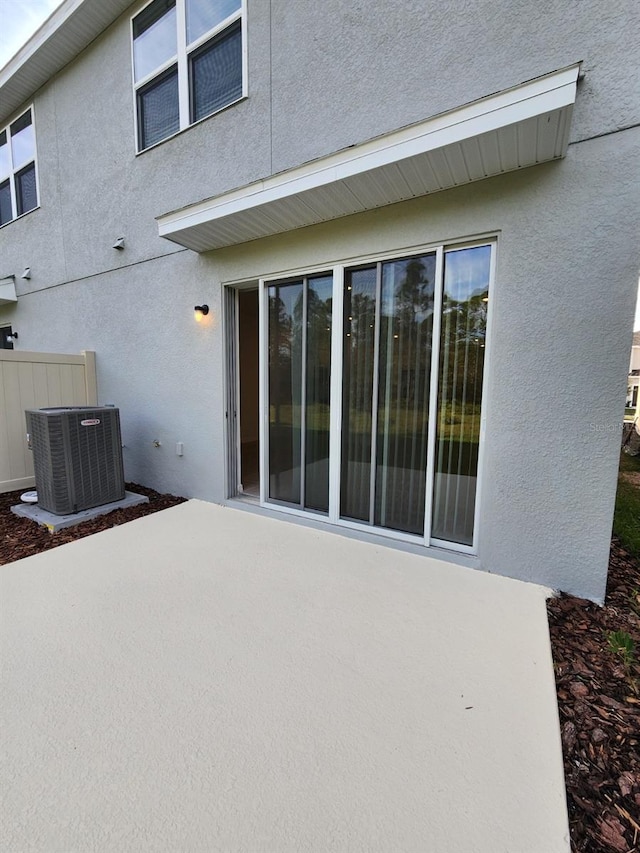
(322, 77)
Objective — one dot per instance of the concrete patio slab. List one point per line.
(206, 679)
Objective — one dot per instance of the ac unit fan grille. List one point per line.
(77, 465)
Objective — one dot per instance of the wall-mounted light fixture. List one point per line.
(119, 244)
(200, 311)
(26, 273)
(13, 335)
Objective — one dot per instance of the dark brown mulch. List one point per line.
(599, 704)
(21, 537)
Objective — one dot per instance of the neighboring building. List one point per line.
(633, 399)
(415, 226)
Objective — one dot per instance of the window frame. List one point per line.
(181, 60)
(15, 171)
(338, 268)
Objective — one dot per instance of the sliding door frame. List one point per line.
(336, 389)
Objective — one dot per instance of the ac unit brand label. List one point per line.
(90, 422)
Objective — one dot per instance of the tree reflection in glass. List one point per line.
(461, 370)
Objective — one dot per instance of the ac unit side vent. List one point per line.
(77, 457)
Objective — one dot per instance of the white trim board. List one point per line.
(512, 129)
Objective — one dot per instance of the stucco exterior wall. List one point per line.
(321, 77)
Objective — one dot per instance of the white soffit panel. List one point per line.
(8, 290)
(510, 130)
(62, 37)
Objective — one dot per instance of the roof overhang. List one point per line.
(510, 130)
(65, 34)
(8, 290)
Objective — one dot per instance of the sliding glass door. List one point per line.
(388, 327)
(397, 445)
(299, 364)
(461, 372)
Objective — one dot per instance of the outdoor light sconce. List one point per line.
(200, 311)
(119, 244)
(26, 273)
(13, 335)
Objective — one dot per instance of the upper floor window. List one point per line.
(187, 63)
(18, 186)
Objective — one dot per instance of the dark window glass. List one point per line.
(462, 343)
(318, 388)
(151, 15)
(404, 359)
(154, 37)
(216, 74)
(285, 391)
(357, 392)
(5, 203)
(21, 123)
(6, 337)
(26, 196)
(158, 111)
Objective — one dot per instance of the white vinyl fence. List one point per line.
(36, 380)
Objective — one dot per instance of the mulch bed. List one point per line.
(21, 537)
(599, 704)
(598, 698)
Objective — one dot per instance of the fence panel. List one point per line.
(35, 380)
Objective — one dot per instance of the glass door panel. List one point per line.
(299, 378)
(318, 386)
(388, 320)
(403, 445)
(360, 299)
(406, 323)
(285, 391)
(462, 347)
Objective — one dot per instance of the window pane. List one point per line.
(216, 74)
(26, 196)
(285, 391)
(462, 341)
(6, 337)
(204, 15)
(318, 385)
(357, 383)
(406, 322)
(5, 203)
(154, 37)
(5, 164)
(23, 141)
(158, 111)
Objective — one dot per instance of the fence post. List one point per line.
(90, 379)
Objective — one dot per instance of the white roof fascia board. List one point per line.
(55, 20)
(8, 290)
(554, 91)
(59, 40)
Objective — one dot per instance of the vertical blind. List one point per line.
(299, 387)
(387, 352)
(462, 347)
(388, 320)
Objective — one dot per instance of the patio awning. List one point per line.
(510, 130)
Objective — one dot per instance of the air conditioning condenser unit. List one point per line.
(77, 457)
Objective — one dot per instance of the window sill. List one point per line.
(22, 216)
(191, 126)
